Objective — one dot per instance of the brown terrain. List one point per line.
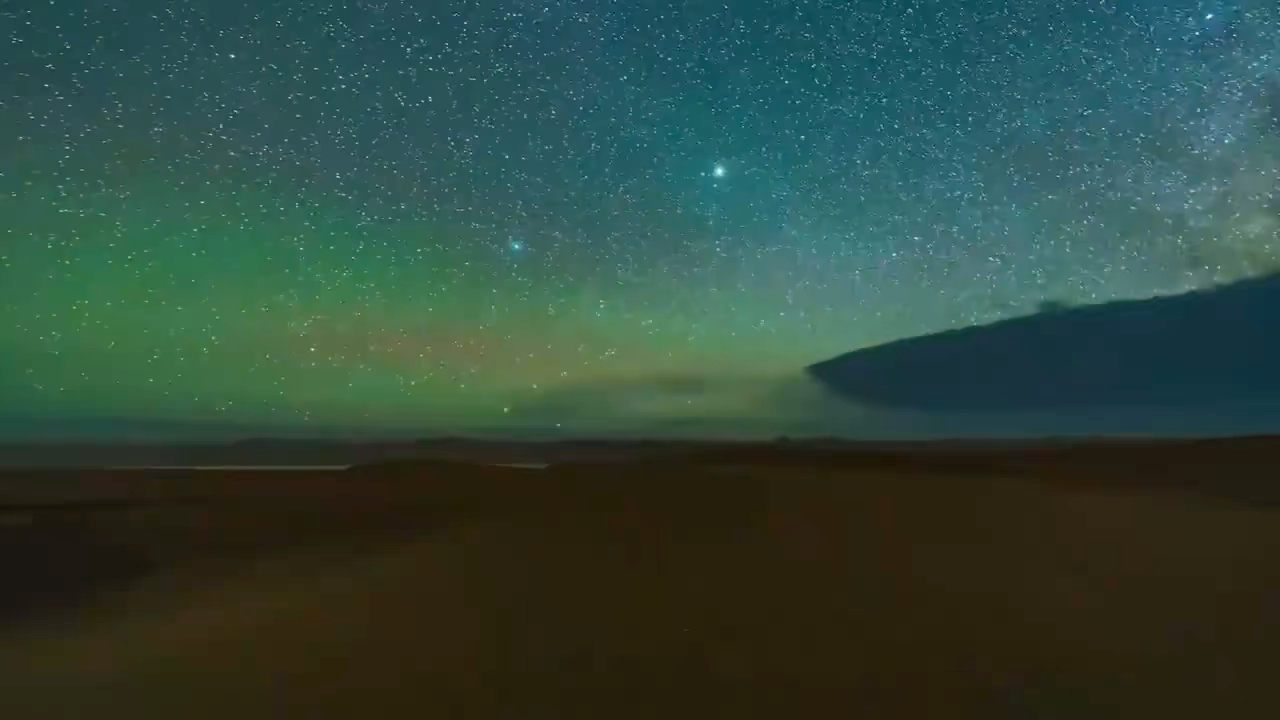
(1120, 580)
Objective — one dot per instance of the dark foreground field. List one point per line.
(1122, 582)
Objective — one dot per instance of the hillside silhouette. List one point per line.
(1214, 350)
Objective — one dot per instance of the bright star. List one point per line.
(718, 171)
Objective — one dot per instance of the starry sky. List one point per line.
(490, 213)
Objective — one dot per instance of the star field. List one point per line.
(404, 213)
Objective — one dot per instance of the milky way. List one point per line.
(393, 213)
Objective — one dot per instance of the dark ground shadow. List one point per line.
(1227, 469)
(54, 557)
(1216, 350)
(59, 557)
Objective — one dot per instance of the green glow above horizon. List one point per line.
(327, 217)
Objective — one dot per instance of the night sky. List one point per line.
(519, 213)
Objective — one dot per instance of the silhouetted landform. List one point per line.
(68, 536)
(250, 452)
(788, 579)
(453, 454)
(314, 453)
(296, 453)
(1223, 467)
(55, 553)
(1212, 351)
(52, 556)
(1236, 468)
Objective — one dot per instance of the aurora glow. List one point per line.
(426, 214)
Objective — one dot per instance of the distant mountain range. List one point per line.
(257, 452)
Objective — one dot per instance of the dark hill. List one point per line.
(1215, 351)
